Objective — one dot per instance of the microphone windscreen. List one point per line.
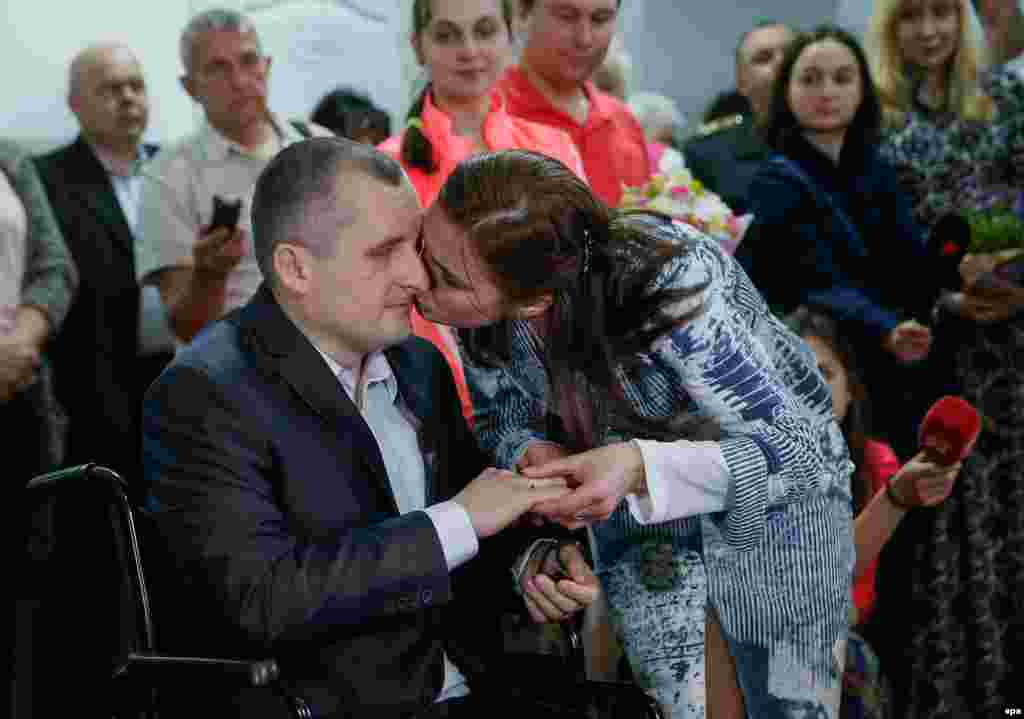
(949, 430)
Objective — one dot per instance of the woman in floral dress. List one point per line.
(949, 624)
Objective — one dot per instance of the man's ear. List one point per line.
(535, 308)
(188, 85)
(293, 266)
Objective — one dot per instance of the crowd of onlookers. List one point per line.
(851, 155)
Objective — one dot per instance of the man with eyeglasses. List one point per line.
(202, 267)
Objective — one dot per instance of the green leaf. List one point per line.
(995, 230)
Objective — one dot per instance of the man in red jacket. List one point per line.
(566, 41)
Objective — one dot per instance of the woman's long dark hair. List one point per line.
(540, 230)
(856, 426)
(781, 124)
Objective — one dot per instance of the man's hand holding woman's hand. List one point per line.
(496, 498)
(600, 479)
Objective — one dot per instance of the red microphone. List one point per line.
(949, 430)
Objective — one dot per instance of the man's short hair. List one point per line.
(759, 25)
(208, 21)
(297, 188)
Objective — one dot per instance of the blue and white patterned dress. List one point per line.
(777, 565)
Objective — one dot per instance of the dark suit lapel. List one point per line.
(95, 190)
(282, 348)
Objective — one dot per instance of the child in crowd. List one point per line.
(883, 492)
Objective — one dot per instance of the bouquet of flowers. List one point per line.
(683, 198)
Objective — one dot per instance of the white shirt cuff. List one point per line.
(683, 478)
(455, 531)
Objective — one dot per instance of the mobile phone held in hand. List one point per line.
(225, 214)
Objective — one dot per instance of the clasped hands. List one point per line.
(985, 304)
(554, 584)
(559, 583)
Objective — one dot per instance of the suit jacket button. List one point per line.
(427, 596)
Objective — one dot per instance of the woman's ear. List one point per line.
(535, 308)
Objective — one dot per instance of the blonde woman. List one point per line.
(950, 581)
(952, 127)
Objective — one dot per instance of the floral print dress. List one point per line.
(949, 627)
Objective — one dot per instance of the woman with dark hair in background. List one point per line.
(833, 230)
(465, 47)
(711, 473)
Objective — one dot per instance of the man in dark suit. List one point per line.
(313, 477)
(725, 152)
(101, 365)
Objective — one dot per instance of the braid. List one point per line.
(416, 148)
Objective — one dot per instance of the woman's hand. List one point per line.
(989, 304)
(602, 478)
(973, 266)
(537, 453)
(922, 483)
(559, 588)
(909, 341)
(540, 452)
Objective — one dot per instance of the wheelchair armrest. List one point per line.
(157, 669)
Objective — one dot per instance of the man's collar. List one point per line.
(116, 166)
(376, 368)
(218, 147)
(529, 95)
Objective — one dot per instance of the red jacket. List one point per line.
(880, 464)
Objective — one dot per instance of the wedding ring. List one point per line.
(580, 517)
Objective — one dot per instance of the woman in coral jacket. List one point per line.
(464, 47)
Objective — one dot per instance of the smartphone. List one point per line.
(225, 214)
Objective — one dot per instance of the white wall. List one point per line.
(685, 49)
(316, 44)
(680, 48)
